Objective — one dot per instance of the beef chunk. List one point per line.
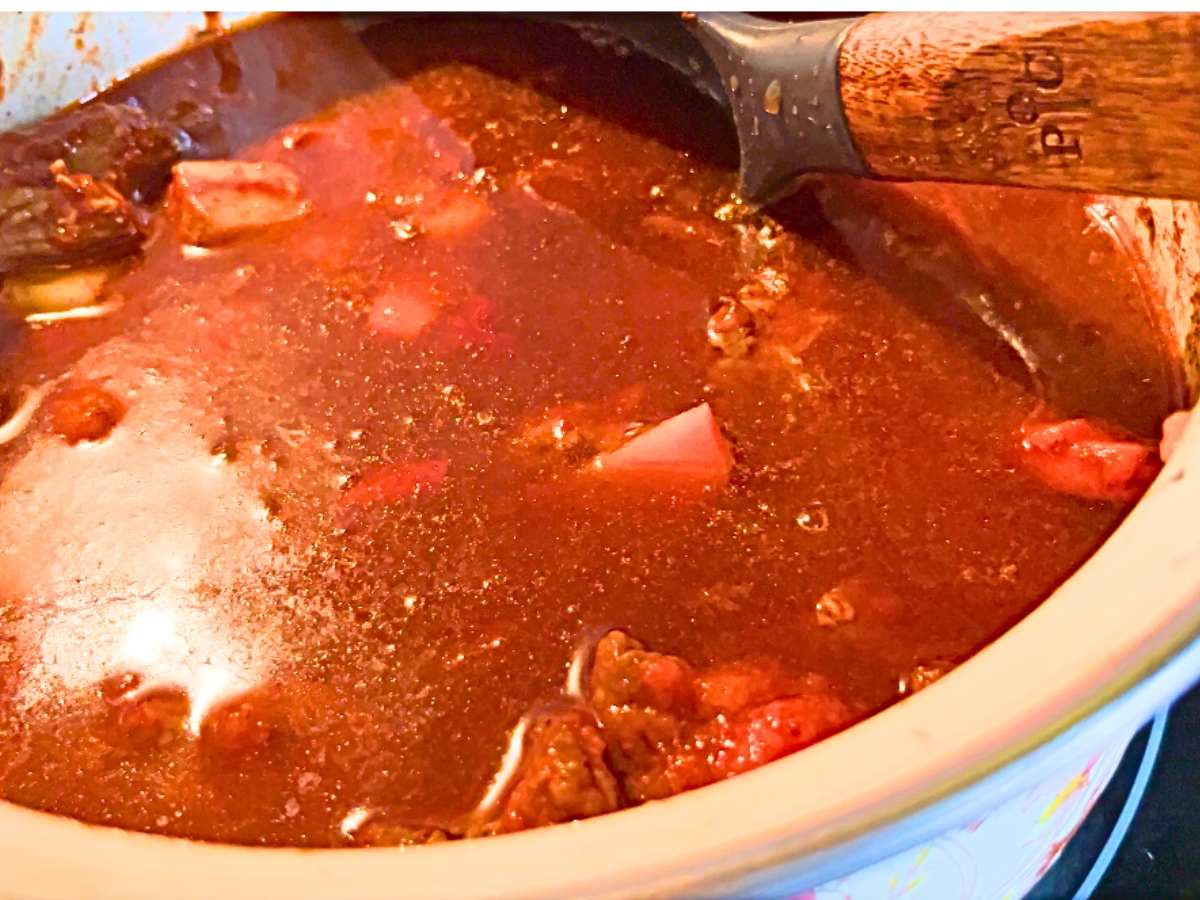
(112, 141)
(644, 702)
(669, 728)
(731, 328)
(69, 186)
(563, 775)
(70, 219)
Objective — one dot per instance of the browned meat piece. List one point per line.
(71, 219)
(219, 200)
(69, 185)
(86, 412)
(625, 674)
(153, 718)
(381, 830)
(731, 328)
(242, 726)
(669, 729)
(643, 701)
(563, 775)
(111, 141)
(119, 687)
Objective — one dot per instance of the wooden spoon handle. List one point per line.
(1104, 102)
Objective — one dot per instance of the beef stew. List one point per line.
(410, 437)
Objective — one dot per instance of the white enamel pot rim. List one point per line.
(1114, 643)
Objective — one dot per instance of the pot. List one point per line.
(968, 789)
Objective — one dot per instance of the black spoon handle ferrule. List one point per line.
(784, 92)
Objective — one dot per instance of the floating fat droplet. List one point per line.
(772, 97)
(920, 677)
(813, 519)
(834, 608)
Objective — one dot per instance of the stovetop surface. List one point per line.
(1154, 800)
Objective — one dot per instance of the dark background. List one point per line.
(1160, 856)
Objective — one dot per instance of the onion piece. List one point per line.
(44, 293)
(687, 447)
(94, 311)
(510, 765)
(31, 399)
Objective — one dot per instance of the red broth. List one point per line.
(481, 409)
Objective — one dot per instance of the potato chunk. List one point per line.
(220, 200)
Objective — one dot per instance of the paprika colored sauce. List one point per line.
(476, 414)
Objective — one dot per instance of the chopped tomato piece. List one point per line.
(86, 412)
(734, 687)
(393, 482)
(119, 687)
(408, 309)
(472, 324)
(688, 446)
(669, 728)
(402, 314)
(229, 326)
(455, 216)
(773, 730)
(217, 200)
(665, 681)
(1080, 457)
